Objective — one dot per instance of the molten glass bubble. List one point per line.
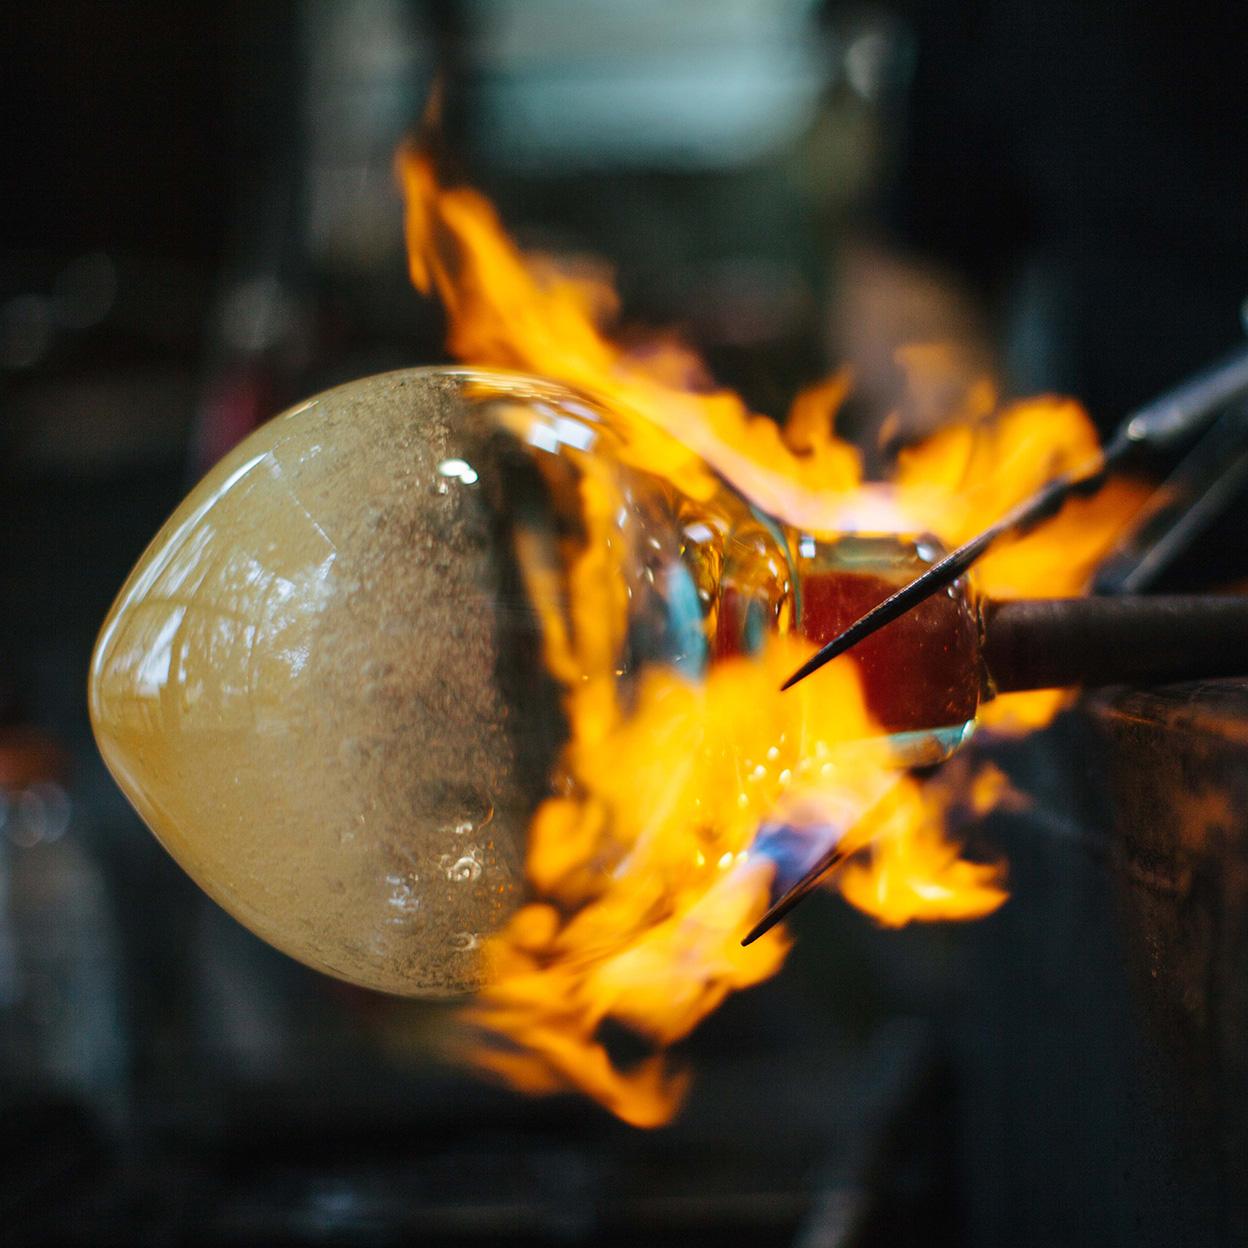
(335, 686)
(296, 689)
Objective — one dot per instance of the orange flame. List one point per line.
(641, 870)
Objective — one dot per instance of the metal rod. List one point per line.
(1160, 423)
(1052, 643)
(1206, 482)
(955, 564)
(797, 892)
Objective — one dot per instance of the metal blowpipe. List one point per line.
(1164, 422)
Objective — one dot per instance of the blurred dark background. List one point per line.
(200, 226)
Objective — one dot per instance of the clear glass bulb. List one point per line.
(334, 684)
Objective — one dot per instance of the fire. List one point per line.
(670, 798)
(648, 865)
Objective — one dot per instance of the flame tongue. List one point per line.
(671, 797)
(647, 866)
(523, 312)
